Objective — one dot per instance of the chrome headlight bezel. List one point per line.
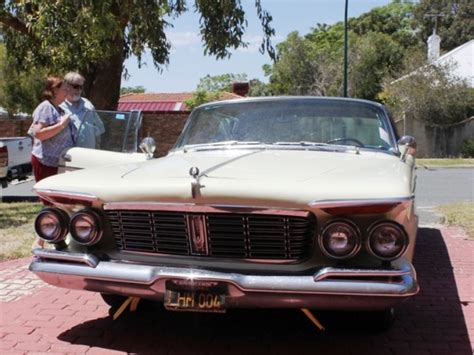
(402, 238)
(341, 223)
(58, 217)
(79, 223)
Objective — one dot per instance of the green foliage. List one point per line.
(95, 37)
(429, 94)
(221, 82)
(467, 149)
(258, 88)
(395, 20)
(134, 89)
(454, 19)
(201, 97)
(19, 92)
(373, 57)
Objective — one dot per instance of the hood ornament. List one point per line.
(195, 184)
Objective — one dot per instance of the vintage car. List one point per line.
(281, 202)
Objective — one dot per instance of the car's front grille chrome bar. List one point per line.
(237, 235)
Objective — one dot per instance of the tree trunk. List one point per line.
(103, 81)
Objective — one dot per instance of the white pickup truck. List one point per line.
(15, 159)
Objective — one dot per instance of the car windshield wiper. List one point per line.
(304, 144)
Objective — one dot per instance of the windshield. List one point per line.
(286, 121)
(108, 130)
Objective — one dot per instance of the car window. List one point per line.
(109, 130)
(319, 121)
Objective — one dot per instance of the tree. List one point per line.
(313, 64)
(453, 19)
(19, 92)
(133, 89)
(221, 82)
(95, 37)
(429, 93)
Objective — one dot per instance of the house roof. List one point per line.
(162, 102)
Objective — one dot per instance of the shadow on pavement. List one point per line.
(432, 322)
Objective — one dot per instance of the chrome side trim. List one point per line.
(359, 202)
(192, 208)
(51, 194)
(87, 259)
(329, 272)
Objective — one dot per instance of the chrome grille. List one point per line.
(229, 235)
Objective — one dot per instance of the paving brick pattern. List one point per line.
(36, 318)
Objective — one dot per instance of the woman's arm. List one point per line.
(43, 132)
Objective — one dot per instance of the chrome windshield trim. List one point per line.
(193, 208)
(87, 259)
(360, 202)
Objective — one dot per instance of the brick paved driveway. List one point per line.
(36, 318)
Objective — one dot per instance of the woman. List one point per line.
(52, 133)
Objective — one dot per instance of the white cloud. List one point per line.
(181, 39)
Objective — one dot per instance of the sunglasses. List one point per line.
(76, 86)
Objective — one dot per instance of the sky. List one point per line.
(187, 62)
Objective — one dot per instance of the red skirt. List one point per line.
(40, 170)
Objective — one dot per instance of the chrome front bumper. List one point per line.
(329, 288)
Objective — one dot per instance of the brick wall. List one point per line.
(14, 128)
(164, 128)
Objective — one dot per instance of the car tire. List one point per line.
(379, 321)
(114, 301)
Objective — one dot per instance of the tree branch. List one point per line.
(15, 24)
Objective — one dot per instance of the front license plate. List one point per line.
(194, 301)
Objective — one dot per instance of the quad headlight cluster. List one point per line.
(53, 224)
(341, 239)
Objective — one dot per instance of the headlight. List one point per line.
(86, 227)
(340, 240)
(387, 241)
(51, 224)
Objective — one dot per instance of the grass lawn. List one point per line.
(445, 162)
(459, 214)
(16, 229)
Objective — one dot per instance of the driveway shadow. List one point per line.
(431, 322)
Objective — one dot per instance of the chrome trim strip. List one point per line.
(51, 194)
(329, 272)
(193, 208)
(152, 278)
(87, 259)
(210, 259)
(359, 202)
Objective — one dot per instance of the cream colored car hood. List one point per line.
(288, 178)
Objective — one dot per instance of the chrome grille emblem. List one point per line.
(197, 234)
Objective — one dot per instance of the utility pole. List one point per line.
(345, 50)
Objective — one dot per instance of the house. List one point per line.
(442, 140)
(460, 59)
(164, 115)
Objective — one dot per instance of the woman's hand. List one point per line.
(64, 120)
(43, 132)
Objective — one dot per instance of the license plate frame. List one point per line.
(196, 300)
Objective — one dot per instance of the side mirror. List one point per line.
(407, 146)
(148, 146)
